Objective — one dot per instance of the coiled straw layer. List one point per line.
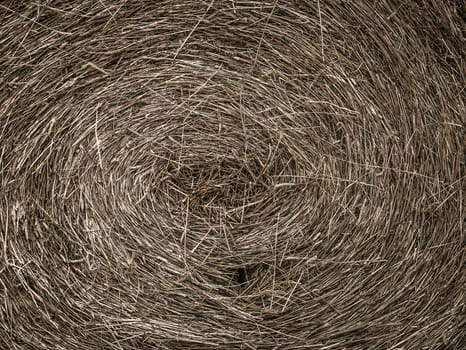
(232, 174)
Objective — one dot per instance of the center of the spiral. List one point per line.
(217, 192)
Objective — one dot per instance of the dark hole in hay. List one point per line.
(242, 275)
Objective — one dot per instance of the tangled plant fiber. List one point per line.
(232, 174)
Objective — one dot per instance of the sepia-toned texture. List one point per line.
(231, 174)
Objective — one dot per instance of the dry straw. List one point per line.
(232, 174)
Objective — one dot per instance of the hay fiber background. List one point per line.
(230, 174)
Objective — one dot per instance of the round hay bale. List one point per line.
(232, 174)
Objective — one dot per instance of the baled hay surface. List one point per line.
(232, 174)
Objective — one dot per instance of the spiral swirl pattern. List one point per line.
(231, 174)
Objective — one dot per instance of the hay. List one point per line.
(232, 174)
